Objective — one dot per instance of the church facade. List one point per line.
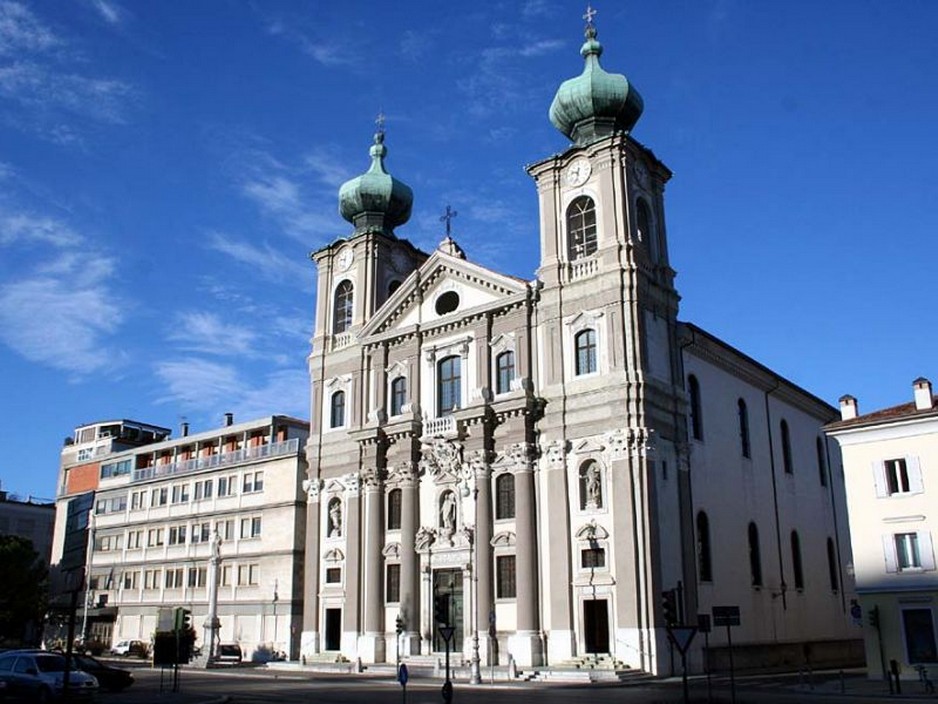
(555, 468)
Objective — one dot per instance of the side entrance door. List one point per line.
(596, 625)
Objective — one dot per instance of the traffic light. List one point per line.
(182, 619)
(874, 616)
(669, 606)
(399, 625)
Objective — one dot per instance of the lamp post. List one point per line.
(475, 672)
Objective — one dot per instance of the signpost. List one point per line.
(682, 636)
(402, 677)
(446, 632)
(703, 625)
(728, 616)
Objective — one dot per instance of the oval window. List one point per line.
(447, 303)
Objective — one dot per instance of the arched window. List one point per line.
(505, 496)
(448, 385)
(581, 228)
(645, 232)
(591, 486)
(755, 556)
(337, 410)
(832, 565)
(394, 509)
(704, 564)
(696, 422)
(585, 344)
(744, 428)
(786, 448)
(821, 464)
(398, 395)
(342, 310)
(505, 372)
(796, 565)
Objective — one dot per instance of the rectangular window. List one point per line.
(505, 577)
(247, 575)
(253, 482)
(228, 486)
(203, 489)
(155, 537)
(151, 579)
(392, 588)
(201, 532)
(225, 576)
(907, 552)
(174, 578)
(593, 558)
(180, 493)
(225, 529)
(197, 576)
(115, 469)
(138, 500)
(333, 575)
(251, 527)
(134, 539)
(158, 497)
(131, 580)
(897, 476)
(177, 535)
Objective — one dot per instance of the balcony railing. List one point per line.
(224, 459)
(581, 268)
(439, 427)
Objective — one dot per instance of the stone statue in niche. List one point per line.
(448, 513)
(591, 486)
(335, 519)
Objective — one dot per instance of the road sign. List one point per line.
(725, 615)
(682, 636)
(447, 633)
(402, 674)
(703, 623)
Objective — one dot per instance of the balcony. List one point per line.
(224, 459)
(580, 269)
(440, 427)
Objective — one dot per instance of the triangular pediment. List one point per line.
(417, 300)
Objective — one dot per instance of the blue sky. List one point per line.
(165, 167)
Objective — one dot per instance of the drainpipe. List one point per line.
(778, 527)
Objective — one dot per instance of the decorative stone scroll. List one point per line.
(442, 459)
(424, 539)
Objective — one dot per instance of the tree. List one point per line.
(23, 589)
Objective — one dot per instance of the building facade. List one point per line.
(30, 518)
(156, 510)
(534, 463)
(891, 464)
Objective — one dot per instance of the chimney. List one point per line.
(921, 388)
(184, 429)
(848, 407)
(229, 419)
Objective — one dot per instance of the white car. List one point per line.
(38, 676)
(130, 647)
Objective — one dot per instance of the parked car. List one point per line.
(38, 677)
(229, 653)
(113, 679)
(131, 647)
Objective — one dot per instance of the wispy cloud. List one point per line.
(110, 12)
(24, 228)
(268, 262)
(327, 52)
(21, 31)
(206, 386)
(206, 333)
(61, 317)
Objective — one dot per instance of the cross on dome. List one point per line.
(590, 14)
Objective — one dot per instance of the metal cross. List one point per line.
(379, 121)
(447, 217)
(590, 14)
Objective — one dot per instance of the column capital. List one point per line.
(313, 489)
(372, 478)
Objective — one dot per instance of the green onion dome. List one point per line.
(376, 200)
(595, 104)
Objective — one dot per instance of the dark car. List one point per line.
(111, 678)
(38, 677)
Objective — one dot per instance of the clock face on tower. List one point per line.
(577, 173)
(345, 258)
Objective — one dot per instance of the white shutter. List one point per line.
(889, 552)
(926, 552)
(914, 468)
(879, 478)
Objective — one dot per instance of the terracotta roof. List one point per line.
(901, 412)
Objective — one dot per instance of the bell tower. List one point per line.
(611, 370)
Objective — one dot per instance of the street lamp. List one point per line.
(475, 672)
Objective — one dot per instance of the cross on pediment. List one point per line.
(447, 217)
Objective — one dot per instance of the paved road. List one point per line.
(256, 686)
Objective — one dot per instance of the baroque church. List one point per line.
(548, 470)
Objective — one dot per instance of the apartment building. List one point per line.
(891, 465)
(155, 509)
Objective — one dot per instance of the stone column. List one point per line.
(372, 644)
(351, 534)
(485, 601)
(526, 646)
(410, 565)
(310, 641)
